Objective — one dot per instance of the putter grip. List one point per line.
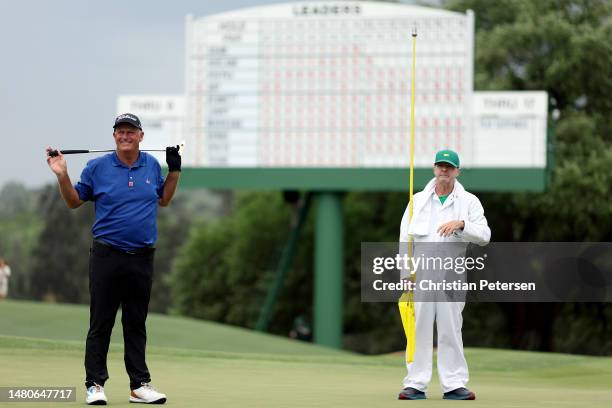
(54, 153)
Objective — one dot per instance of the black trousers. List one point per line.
(117, 278)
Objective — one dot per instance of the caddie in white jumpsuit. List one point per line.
(443, 212)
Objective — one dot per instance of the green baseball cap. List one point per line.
(447, 156)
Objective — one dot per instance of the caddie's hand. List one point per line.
(173, 158)
(447, 229)
(57, 164)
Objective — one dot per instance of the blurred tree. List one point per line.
(173, 226)
(20, 225)
(60, 258)
(226, 267)
(222, 271)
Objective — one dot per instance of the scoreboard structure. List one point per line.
(316, 96)
(326, 85)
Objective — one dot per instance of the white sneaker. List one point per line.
(95, 395)
(147, 395)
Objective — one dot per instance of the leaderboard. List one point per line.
(326, 84)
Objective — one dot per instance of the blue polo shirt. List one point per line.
(125, 199)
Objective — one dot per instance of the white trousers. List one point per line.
(452, 367)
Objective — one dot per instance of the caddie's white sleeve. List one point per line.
(476, 229)
(8, 270)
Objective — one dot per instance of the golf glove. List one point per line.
(173, 158)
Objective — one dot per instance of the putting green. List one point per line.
(199, 376)
(70, 322)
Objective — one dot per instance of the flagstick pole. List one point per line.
(412, 98)
(411, 321)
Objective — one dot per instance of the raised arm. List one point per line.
(173, 159)
(169, 188)
(59, 167)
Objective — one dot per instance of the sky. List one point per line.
(65, 62)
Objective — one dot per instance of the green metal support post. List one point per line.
(328, 274)
(267, 311)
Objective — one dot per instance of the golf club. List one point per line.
(54, 153)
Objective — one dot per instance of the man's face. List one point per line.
(127, 137)
(445, 172)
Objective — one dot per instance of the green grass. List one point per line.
(211, 365)
(70, 322)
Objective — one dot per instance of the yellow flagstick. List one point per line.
(414, 36)
(406, 301)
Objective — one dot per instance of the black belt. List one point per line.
(136, 251)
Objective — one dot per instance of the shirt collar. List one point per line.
(141, 161)
(450, 197)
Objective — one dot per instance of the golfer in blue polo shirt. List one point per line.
(126, 187)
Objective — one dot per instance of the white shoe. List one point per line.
(147, 395)
(95, 395)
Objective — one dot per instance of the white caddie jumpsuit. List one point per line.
(428, 214)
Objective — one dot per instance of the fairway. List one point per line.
(219, 366)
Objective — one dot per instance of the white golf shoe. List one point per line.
(95, 395)
(147, 395)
